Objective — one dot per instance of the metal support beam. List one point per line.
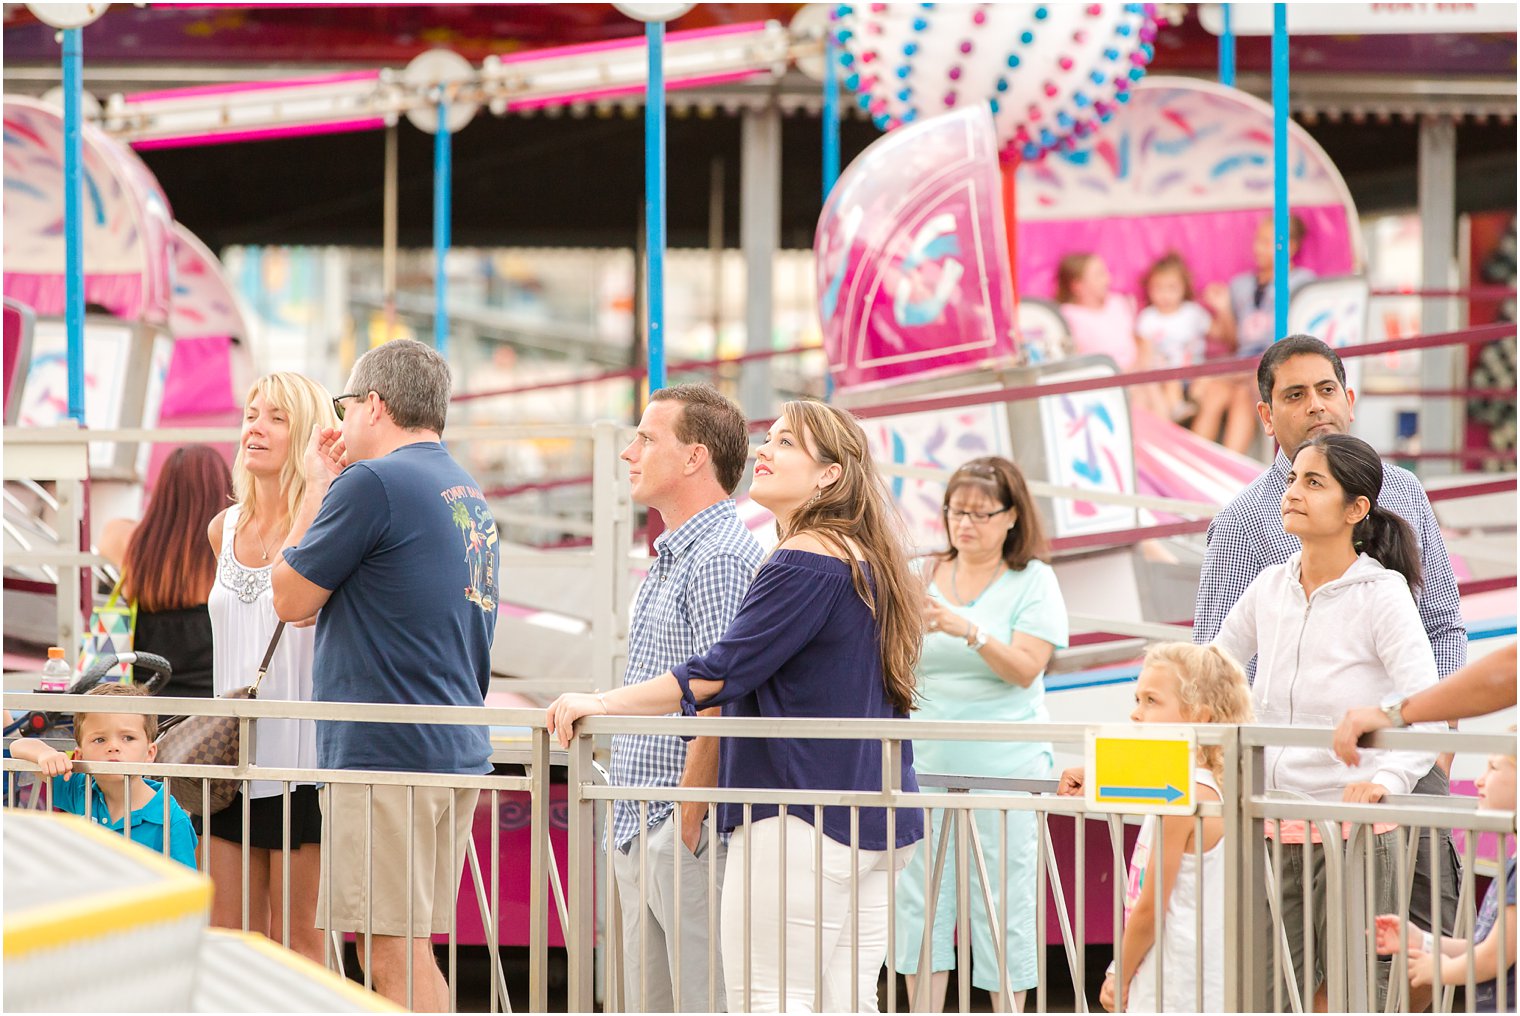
(830, 144)
(1281, 262)
(391, 218)
(73, 212)
(654, 199)
(1440, 419)
(759, 236)
(443, 184)
(1226, 47)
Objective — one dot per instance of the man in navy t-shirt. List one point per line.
(395, 545)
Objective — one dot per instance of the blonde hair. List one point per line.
(1208, 678)
(115, 688)
(858, 508)
(306, 405)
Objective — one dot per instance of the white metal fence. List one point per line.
(1251, 945)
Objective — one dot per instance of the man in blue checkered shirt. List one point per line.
(685, 463)
(1303, 394)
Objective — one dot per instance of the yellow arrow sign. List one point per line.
(1141, 770)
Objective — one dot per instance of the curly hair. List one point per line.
(1210, 683)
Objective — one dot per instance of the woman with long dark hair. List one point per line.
(830, 628)
(1334, 626)
(168, 569)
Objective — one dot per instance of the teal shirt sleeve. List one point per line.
(68, 793)
(182, 838)
(1041, 609)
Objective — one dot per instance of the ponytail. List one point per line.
(1387, 539)
(1381, 534)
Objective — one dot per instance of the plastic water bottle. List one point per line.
(55, 672)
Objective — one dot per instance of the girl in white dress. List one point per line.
(1179, 683)
(268, 483)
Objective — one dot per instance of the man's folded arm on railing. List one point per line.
(1483, 686)
(772, 626)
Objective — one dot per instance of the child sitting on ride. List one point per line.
(1103, 322)
(1175, 329)
(1230, 400)
(1179, 683)
(1496, 790)
(1100, 320)
(115, 737)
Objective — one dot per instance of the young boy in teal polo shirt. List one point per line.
(115, 737)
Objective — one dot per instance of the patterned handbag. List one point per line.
(209, 741)
(110, 631)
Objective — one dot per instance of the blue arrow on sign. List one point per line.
(1169, 793)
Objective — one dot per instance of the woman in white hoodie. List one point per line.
(1334, 625)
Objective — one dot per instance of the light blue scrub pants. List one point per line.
(1023, 896)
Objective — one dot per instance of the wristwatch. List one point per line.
(1394, 710)
(977, 641)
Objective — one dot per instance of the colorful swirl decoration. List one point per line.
(1051, 73)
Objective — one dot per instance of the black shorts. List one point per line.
(264, 814)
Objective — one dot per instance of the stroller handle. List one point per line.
(103, 665)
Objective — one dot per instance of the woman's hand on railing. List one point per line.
(561, 716)
(1364, 793)
(1073, 782)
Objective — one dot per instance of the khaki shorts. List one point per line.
(435, 869)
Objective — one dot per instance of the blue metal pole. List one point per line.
(443, 172)
(830, 146)
(1280, 262)
(830, 115)
(1227, 48)
(654, 199)
(73, 219)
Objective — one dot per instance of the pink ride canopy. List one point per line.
(1185, 166)
(912, 258)
(127, 221)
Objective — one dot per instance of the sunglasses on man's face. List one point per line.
(338, 401)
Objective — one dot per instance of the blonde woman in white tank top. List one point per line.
(268, 481)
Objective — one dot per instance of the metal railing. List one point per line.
(486, 875)
(1248, 951)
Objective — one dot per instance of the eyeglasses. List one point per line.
(338, 401)
(980, 518)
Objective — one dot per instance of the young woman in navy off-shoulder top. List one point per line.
(830, 628)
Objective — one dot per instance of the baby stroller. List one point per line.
(23, 790)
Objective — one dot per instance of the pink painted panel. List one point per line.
(1216, 245)
(1099, 869)
(200, 379)
(121, 294)
(514, 876)
(912, 260)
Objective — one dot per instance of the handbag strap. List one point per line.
(279, 629)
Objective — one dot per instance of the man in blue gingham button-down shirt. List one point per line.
(692, 592)
(685, 463)
(1305, 395)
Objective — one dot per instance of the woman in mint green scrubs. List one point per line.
(992, 617)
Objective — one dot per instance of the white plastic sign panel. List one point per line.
(1141, 769)
(1364, 19)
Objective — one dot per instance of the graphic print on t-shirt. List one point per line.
(477, 526)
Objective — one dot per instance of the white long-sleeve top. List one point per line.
(1357, 641)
